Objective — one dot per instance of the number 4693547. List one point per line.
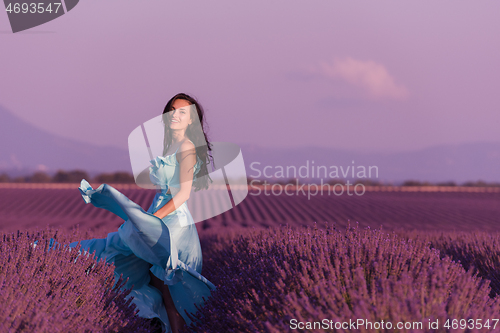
(470, 323)
(32, 7)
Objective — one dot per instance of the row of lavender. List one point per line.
(280, 279)
(64, 208)
(60, 290)
(269, 281)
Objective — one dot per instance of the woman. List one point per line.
(159, 250)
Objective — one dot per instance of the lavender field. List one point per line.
(63, 207)
(280, 263)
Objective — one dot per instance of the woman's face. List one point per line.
(180, 116)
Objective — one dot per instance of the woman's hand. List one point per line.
(158, 215)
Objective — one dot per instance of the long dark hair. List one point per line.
(196, 133)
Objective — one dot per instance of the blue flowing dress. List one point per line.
(170, 244)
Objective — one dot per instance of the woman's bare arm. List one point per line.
(187, 159)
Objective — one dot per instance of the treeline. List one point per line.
(370, 182)
(122, 177)
(74, 176)
(478, 183)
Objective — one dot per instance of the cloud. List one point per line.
(373, 78)
(41, 167)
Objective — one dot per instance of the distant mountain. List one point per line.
(24, 149)
(459, 162)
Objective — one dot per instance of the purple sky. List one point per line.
(382, 76)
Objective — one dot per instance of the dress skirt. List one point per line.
(170, 244)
